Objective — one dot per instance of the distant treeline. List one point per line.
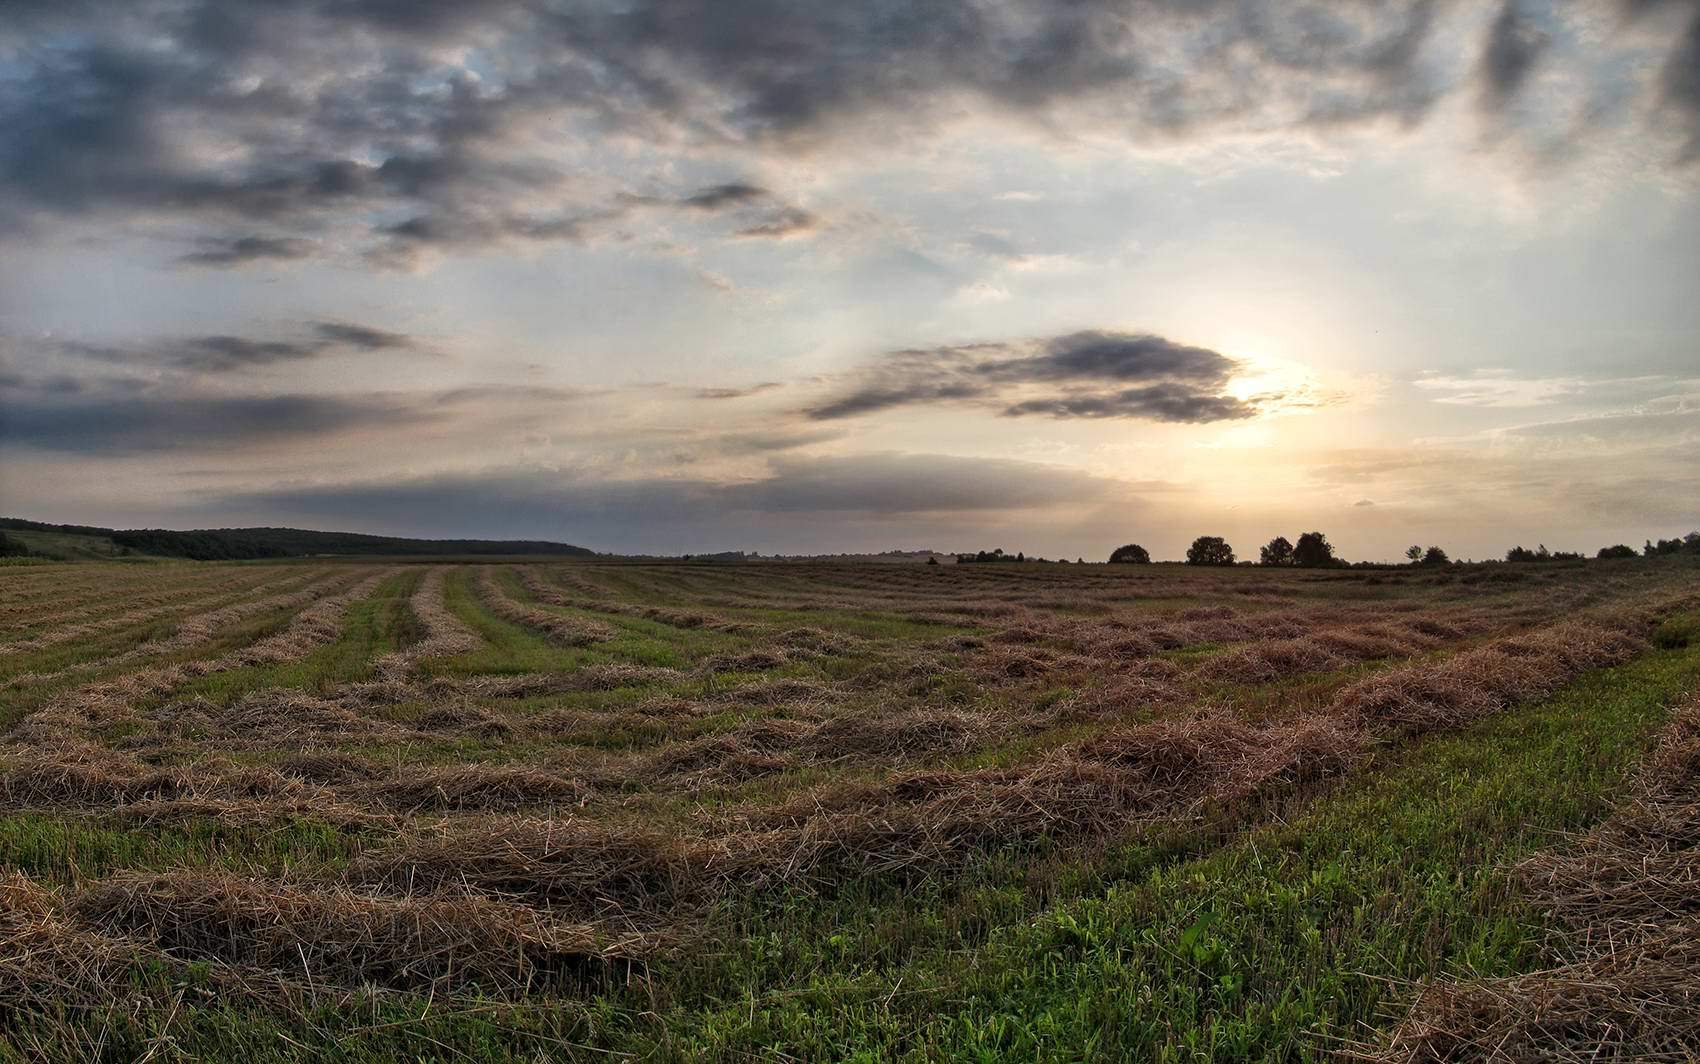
(222, 544)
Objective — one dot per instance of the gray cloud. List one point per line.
(682, 512)
(363, 337)
(129, 424)
(1515, 44)
(1176, 402)
(241, 251)
(716, 197)
(737, 393)
(350, 116)
(219, 354)
(1681, 84)
(791, 221)
(1178, 382)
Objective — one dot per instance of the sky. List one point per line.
(1047, 275)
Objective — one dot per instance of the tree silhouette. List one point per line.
(1435, 556)
(1277, 551)
(1313, 549)
(1210, 550)
(1132, 553)
(1414, 553)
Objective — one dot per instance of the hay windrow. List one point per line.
(468, 819)
(559, 628)
(342, 937)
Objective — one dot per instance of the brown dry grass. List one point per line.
(350, 939)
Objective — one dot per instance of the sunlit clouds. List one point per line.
(762, 275)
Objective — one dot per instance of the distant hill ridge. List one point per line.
(214, 544)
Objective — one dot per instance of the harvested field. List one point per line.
(551, 810)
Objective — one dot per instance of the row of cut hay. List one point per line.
(205, 627)
(594, 600)
(47, 962)
(139, 608)
(921, 820)
(1476, 683)
(450, 788)
(770, 745)
(316, 626)
(558, 628)
(266, 719)
(108, 701)
(1625, 905)
(602, 677)
(804, 643)
(201, 628)
(445, 635)
(918, 822)
(340, 937)
(93, 778)
(1329, 649)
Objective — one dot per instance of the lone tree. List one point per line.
(1414, 553)
(1210, 550)
(1131, 552)
(1313, 549)
(1435, 556)
(1622, 550)
(1276, 552)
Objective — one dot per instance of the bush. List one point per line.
(12, 548)
(1620, 551)
(1435, 556)
(1689, 543)
(1313, 549)
(1131, 553)
(1277, 551)
(1210, 550)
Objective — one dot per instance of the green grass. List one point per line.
(372, 627)
(69, 848)
(1274, 947)
(1276, 941)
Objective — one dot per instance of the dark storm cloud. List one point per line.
(350, 114)
(1515, 43)
(1178, 382)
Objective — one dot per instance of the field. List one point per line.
(579, 810)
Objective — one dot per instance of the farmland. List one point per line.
(374, 809)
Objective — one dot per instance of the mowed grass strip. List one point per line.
(372, 627)
(1283, 945)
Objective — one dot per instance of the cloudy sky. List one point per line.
(659, 275)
